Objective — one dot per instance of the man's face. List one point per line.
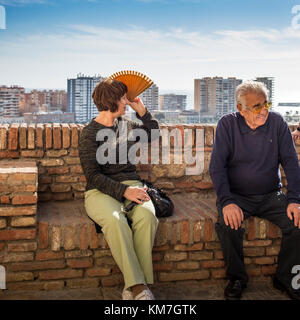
(251, 100)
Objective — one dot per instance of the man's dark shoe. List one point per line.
(234, 290)
(292, 293)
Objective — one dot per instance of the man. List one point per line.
(296, 133)
(248, 148)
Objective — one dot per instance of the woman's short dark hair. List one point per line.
(108, 93)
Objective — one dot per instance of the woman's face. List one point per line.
(122, 105)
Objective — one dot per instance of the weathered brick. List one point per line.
(76, 169)
(78, 254)
(187, 265)
(56, 153)
(264, 260)
(58, 170)
(74, 135)
(52, 162)
(272, 251)
(66, 138)
(254, 251)
(48, 136)
(193, 247)
(2, 223)
(197, 231)
(39, 135)
(37, 265)
(219, 254)
(19, 276)
(32, 153)
(56, 136)
(82, 283)
(66, 179)
(185, 232)
(9, 154)
(23, 221)
(60, 187)
(163, 266)
(24, 199)
(218, 273)
(205, 255)
(253, 271)
(98, 272)
(112, 281)
(49, 255)
(84, 237)
(31, 136)
(251, 229)
(273, 231)
(60, 274)
(2, 245)
(165, 247)
(13, 137)
(21, 246)
(17, 234)
(208, 230)
(74, 153)
(3, 136)
(18, 257)
(26, 286)
(212, 245)
(80, 263)
(11, 211)
(72, 160)
(268, 270)
(182, 276)
(43, 235)
(61, 196)
(94, 240)
(257, 243)
(5, 200)
(213, 264)
(56, 238)
(70, 235)
(108, 260)
(175, 256)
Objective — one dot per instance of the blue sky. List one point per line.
(173, 42)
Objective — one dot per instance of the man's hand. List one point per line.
(136, 194)
(233, 216)
(294, 209)
(296, 135)
(138, 106)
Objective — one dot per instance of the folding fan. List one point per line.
(136, 82)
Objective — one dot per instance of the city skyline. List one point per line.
(172, 42)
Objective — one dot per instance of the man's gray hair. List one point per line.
(251, 87)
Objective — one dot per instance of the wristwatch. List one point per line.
(298, 128)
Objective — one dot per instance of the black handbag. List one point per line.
(163, 205)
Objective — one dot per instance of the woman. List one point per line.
(111, 185)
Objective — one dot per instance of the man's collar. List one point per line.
(244, 128)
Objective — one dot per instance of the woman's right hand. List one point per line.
(136, 194)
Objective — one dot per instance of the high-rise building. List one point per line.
(270, 83)
(11, 101)
(214, 97)
(80, 97)
(150, 97)
(172, 102)
(46, 100)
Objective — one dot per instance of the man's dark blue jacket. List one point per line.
(246, 161)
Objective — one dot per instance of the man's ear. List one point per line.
(240, 108)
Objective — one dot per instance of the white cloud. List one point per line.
(22, 2)
(172, 58)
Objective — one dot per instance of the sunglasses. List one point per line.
(257, 108)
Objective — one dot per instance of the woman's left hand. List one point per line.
(138, 106)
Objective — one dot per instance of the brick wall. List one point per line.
(54, 253)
